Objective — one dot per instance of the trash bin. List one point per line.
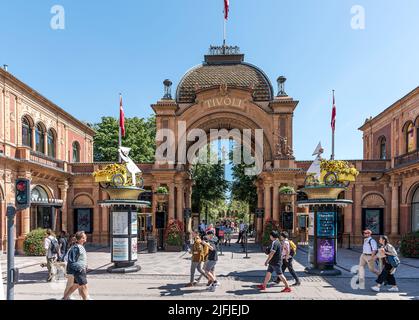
(151, 245)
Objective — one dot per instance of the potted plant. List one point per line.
(34, 243)
(410, 245)
(270, 225)
(286, 193)
(174, 236)
(162, 195)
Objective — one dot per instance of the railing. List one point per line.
(46, 160)
(408, 158)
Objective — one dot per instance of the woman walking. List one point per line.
(387, 274)
(197, 260)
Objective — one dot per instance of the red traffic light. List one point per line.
(21, 186)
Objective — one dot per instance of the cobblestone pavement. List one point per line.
(163, 276)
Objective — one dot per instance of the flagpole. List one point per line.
(120, 132)
(224, 34)
(333, 131)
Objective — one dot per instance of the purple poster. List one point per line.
(326, 251)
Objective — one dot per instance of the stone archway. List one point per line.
(225, 93)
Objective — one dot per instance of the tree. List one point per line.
(140, 135)
(210, 184)
(243, 187)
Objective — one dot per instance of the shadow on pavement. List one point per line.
(175, 290)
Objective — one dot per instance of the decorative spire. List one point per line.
(167, 89)
(281, 86)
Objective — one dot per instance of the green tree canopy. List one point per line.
(140, 135)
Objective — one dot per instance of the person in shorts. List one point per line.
(273, 262)
(77, 266)
(211, 243)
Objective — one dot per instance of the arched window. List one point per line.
(40, 138)
(410, 138)
(415, 211)
(39, 195)
(51, 143)
(26, 133)
(76, 152)
(383, 148)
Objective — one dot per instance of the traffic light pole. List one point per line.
(11, 213)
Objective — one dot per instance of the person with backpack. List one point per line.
(289, 249)
(368, 257)
(197, 260)
(273, 262)
(77, 266)
(63, 242)
(391, 262)
(52, 251)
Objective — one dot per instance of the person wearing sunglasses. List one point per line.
(368, 257)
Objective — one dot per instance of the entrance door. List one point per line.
(44, 217)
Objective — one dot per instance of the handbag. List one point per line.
(394, 261)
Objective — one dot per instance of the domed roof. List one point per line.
(224, 69)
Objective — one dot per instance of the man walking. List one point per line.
(63, 242)
(241, 231)
(274, 263)
(212, 260)
(77, 266)
(52, 251)
(368, 257)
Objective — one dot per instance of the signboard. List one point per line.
(134, 223)
(302, 222)
(372, 220)
(120, 223)
(134, 248)
(311, 224)
(84, 220)
(326, 224)
(325, 251)
(120, 249)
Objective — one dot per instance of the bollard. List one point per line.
(246, 247)
(11, 271)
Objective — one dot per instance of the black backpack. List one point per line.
(54, 246)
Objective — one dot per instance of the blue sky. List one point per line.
(131, 46)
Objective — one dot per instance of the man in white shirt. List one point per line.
(242, 228)
(52, 250)
(368, 257)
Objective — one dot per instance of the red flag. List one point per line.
(121, 118)
(226, 8)
(333, 123)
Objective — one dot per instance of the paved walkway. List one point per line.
(164, 275)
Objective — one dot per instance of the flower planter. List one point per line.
(170, 248)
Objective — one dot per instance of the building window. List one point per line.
(83, 220)
(76, 152)
(26, 133)
(383, 149)
(51, 143)
(415, 211)
(410, 138)
(373, 219)
(40, 138)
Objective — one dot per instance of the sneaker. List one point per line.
(211, 288)
(217, 283)
(261, 287)
(375, 288)
(393, 289)
(209, 283)
(286, 290)
(296, 284)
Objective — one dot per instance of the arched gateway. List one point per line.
(226, 93)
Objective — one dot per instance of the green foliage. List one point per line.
(210, 184)
(410, 245)
(34, 243)
(140, 135)
(286, 190)
(243, 187)
(162, 190)
(270, 226)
